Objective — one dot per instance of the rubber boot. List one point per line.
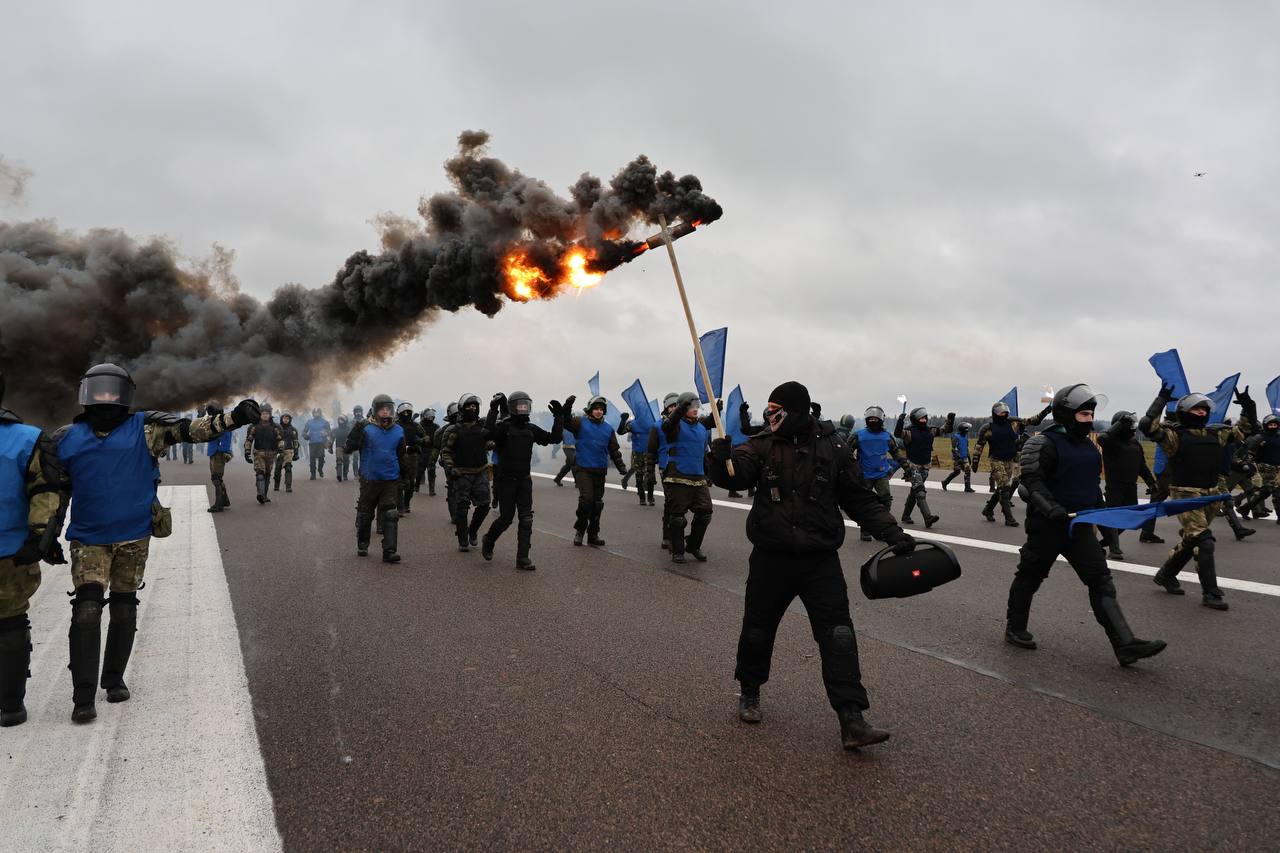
(1167, 576)
(363, 532)
(989, 510)
(675, 536)
(524, 540)
(15, 669)
(1006, 507)
(1128, 649)
(593, 526)
(856, 732)
(390, 536)
(929, 518)
(1206, 569)
(123, 607)
(968, 483)
(85, 639)
(946, 481)
(697, 531)
(288, 478)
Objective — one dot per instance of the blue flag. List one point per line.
(713, 347)
(1168, 367)
(1273, 395)
(639, 403)
(594, 384)
(1133, 517)
(733, 420)
(653, 407)
(1011, 400)
(1221, 397)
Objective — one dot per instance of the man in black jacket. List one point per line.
(513, 438)
(804, 475)
(1124, 461)
(1060, 473)
(917, 442)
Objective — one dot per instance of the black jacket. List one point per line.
(513, 440)
(812, 477)
(1123, 459)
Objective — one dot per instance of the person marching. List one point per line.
(917, 440)
(427, 458)
(341, 459)
(1264, 447)
(641, 463)
(437, 449)
(319, 438)
(960, 462)
(1194, 449)
(1003, 434)
(655, 447)
(288, 452)
(219, 452)
(569, 445)
(1060, 475)
(261, 444)
(513, 438)
(1237, 467)
(381, 444)
(684, 481)
(414, 438)
(357, 417)
(597, 445)
(466, 464)
(805, 476)
(34, 487)
(1123, 462)
(878, 456)
(111, 456)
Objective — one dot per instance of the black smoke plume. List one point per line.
(187, 334)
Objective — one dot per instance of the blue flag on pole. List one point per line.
(1011, 400)
(639, 403)
(594, 384)
(1273, 395)
(1133, 517)
(1221, 397)
(713, 347)
(1168, 367)
(657, 413)
(732, 420)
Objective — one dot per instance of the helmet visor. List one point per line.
(106, 390)
(521, 406)
(1078, 395)
(873, 412)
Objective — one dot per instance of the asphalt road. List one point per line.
(447, 702)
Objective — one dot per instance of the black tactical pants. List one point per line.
(590, 483)
(570, 458)
(1118, 494)
(316, 459)
(515, 499)
(1046, 540)
(774, 580)
(378, 499)
(1160, 493)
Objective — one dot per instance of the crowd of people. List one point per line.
(800, 471)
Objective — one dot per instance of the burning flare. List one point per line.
(527, 277)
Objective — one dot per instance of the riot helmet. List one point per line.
(1072, 399)
(874, 417)
(286, 418)
(1186, 411)
(469, 407)
(599, 402)
(847, 421)
(267, 413)
(692, 401)
(669, 402)
(1000, 411)
(520, 404)
(1125, 422)
(404, 411)
(451, 413)
(429, 416)
(918, 414)
(1271, 423)
(106, 385)
(964, 428)
(380, 402)
(316, 413)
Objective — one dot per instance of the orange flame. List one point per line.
(521, 277)
(575, 269)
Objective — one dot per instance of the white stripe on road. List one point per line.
(1004, 548)
(178, 766)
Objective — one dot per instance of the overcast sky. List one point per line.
(940, 201)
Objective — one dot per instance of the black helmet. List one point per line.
(358, 412)
(873, 412)
(1076, 398)
(999, 409)
(847, 421)
(429, 415)
(467, 400)
(689, 397)
(964, 428)
(919, 412)
(212, 409)
(266, 407)
(380, 401)
(451, 412)
(598, 402)
(106, 385)
(1189, 419)
(1271, 421)
(520, 404)
(404, 410)
(1127, 420)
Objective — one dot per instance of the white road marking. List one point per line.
(1001, 547)
(178, 766)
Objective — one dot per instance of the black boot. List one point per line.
(577, 537)
(593, 526)
(968, 484)
(749, 705)
(697, 531)
(989, 510)
(123, 607)
(473, 532)
(1167, 576)
(1128, 648)
(929, 518)
(1206, 569)
(363, 533)
(288, 479)
(390, 536)
(524, 541)
(1006, 507)
(675, 536)
(85, 638)
(856, 732)
(1020, 637)
(262, 488)
(946, 481)
(15, 669)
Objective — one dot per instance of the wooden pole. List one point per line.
(693, 331)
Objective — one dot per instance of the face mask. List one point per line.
(106, 418)
(875, 425)
(1080, 429)
(792, 424)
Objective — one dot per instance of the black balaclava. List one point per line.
(794, 399)
(105, 418)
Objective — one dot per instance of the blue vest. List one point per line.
(113, 482)
(639, 437)
(593, 444)
(920, 450)
(220, 444)
(378, 460)
(962, 445)
(873, 453)
(316, 429)
(1075, 482)
(16, 443)
(1162, 461)
(1003, 441)
(569, 439)
(689, 451)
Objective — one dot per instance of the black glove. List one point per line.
(902, 544)
(1157, 407)
(1247, 405)
(816, 408)
(721, 449)
(744, 409)
(622, 468)
(245, 413)
(1243, 397)
(626, 416)
(719, 405)
(1057, 513)
(554, 408)
(54, 555)
(28, 552)
(568, 403)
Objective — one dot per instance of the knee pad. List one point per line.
(123, 605)
(1206, 543)
(87, 604)
(391, 516)
(839, 640)
(13, 624)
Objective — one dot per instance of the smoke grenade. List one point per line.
(188, 335)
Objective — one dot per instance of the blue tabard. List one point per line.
(593, 443)
(113, 482)
(962, 445)
(378, 460)
(873, 453)
(220, 443)
(17, 441)
(689, 451)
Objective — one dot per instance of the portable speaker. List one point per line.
(888, 576)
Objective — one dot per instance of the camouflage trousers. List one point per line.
(263, 462)
(1193, 522)
(642, 469)
(1239, 479)
(1270, 475)
(218, 465)
(961, 465)
(1005, 472)
(118, 567)
(17, 585)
